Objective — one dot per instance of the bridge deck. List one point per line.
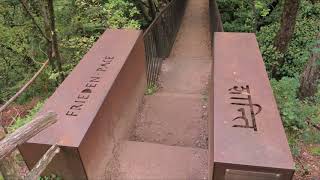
(176, 115)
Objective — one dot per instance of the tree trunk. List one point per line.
(153, 9)
(25, 6)
(47, 31)
(286, 31)
(52, 43)
(255, 16)
(288, 22)
(311, 75)
(54, 40)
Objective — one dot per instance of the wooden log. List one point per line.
(8, 166)
(24, 133)
(42, 163)
(24, 87)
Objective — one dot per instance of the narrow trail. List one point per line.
(170, 138)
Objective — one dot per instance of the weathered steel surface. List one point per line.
(79, 98)
(66, 163)
(96, 105)
(246, 132)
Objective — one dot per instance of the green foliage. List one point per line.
(151, 89)
(300, 46)
(309, 10)
(79, 46)
(20, 121)
(122, 14)
(315, 151)
(262, 8)
(294, 112)
(293, 140)
(236, 15)
(285, 92)
(295, 150)
(79, 23)
(266, 42)
(311, 136)
(239, 15)
(299, 50)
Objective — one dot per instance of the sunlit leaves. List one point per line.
(121, 14)
(262, 8)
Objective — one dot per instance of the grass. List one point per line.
(151, 89)
(20, 121)
(315, 151)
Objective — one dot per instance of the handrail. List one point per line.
(215, 19)
(159, 37)
(162, 11)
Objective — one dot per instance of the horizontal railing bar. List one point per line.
(24, 133)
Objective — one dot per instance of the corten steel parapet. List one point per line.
(96, 106)
(247, 140)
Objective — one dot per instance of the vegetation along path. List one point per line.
(170, 138)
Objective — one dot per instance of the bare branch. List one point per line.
(24, 133)
(25, 7)
(24, 87)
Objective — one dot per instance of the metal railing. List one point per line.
(160, 36)
(215, 19)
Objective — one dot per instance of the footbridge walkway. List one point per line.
(170, 138)
(208, 113)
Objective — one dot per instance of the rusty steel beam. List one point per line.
(247, 139)
(96, 107)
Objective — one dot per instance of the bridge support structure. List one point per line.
(97, 106)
